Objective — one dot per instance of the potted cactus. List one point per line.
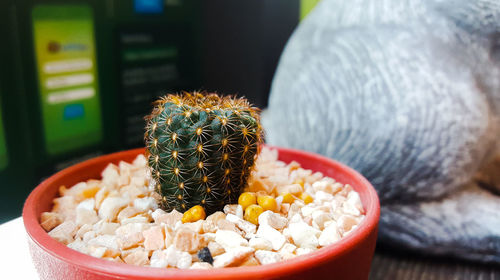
(201, 149)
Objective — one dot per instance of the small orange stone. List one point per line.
(267, 202)
(252, 213)
(194, 214)
(246, 199)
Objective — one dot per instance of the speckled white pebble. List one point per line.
(323, 196)
(110, 207)
(354, 199)
(246, 226)
(269, 233)
(267, 257)
(177, 225)
(78, 245)
(229, 239)
(273, 220)
(87, 204)
(288, 248)
(259, 243)
(319, 185)
(304, 235)
(104, 240)
(279, 201)
(146, 203)
(97, 252)
(303, 251)
(296, 218)
(110, 175)
(287, 233)
(329, 235)
(320, 218)
(239, 211)
(350, 209)
(307, 210)
(158, 259)
(85, 213)
(201, 265)
(184, 260)
(233, 255)
(157, 213)
(172, 255)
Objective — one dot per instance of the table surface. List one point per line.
(15, 259)
(16, 262)
(388, 264)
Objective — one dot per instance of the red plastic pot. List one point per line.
(350, 258)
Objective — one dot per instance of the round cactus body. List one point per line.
(201, 149)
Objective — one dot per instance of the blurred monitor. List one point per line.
(67, 74)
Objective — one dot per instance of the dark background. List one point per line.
(227, 46)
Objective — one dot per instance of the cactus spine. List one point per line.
(201, 149)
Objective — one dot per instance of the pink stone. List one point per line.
(170, 218)
(154, 239)
(188, 241)
(138, 257)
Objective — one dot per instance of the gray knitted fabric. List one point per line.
(408, 93)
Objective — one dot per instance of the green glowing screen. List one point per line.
(67, 76)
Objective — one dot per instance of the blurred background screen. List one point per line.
(77, 77)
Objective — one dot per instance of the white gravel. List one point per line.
(117, 218)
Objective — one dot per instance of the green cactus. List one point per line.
(201, 149)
